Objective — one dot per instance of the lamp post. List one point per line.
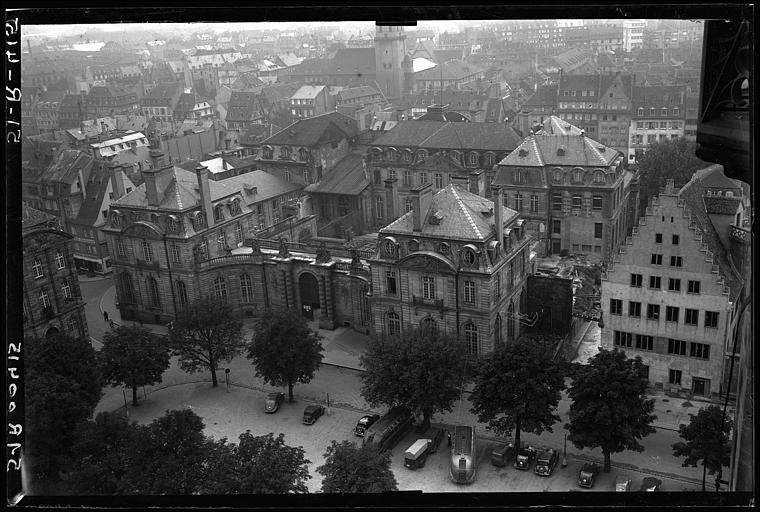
(564, 456)
(227, 378)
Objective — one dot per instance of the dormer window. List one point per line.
(235, 207)
(407, 155)
(519, 176)
(599, 178)
(390, 154)
(640, 112)
(285, 153)
(577, 176)
(218, 214)
(302, 154)
(171, 225)
(473, 157)
(468, 256)
(389, 247)
(676, 111)
(558, 176)
(421, 155)
(267, 152)
(652, 111)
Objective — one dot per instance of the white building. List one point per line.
(112, 147)
(633, 34)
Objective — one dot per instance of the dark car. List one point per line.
(435, 436)
(273, 401)
(622, 484)
(650, 484)
(364, 423)
(502, 454)
(524, 458)
(312, 414)
(587, 475)
(546, 461)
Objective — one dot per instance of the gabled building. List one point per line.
(46, 110)
(537, 108)
(310, 101)
(452, 263)
(659, 113)
(109, 100)
(670, 294)
(571, 190)
(52, 301)
(453, 74)
(161, 101)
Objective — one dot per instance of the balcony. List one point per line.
(740, 235)
(231, 259)
(421, 301)
(153, 265)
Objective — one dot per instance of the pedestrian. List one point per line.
(448, 437)
(105, 316)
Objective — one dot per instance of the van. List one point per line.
(435, 436)
(502, 454)
(388, 430)
(415, 455)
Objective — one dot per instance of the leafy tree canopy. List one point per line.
(610, 409)
(352, 469)
(204, 335)
(133, 357)
(518, 388)
(422, 370)
(284, 350)
(705, 440)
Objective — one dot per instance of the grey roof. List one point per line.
(31, 217)
(443, 135)
(346, 177)
(562, 150)
(328, 127)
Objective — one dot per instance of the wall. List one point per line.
(551, 292)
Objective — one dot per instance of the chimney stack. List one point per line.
(460, 181)
(422, 198)
(477, 183)
(201, 173)
(116, 174)
(498, 201)
(391, 191)
(157, 159)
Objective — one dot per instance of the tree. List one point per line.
(169, 456)
(518, 388)
(133, 357)
(668, 159)
(706, 440)
(63, 385)
(422, 370)
(349, 468)
(100, 449)
(284, 350)
(610, 410)
(204, 335)
(258, 465)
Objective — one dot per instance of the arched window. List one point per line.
(394, 325)
(153, 295)
(302, 154)
(235, 207)
(599, 177)
(147, 251)
(127, 289)
(390, 154)
(60, 261)
(471, 338)
(489, 159)
(220, 289)
(497, 330)
(407, 155)
(473, 158)
(379, 207)
(182, 294)
(511, 322)
(577, 176)
(246, 288)
(285, 152)
(171, 225)
(557, 176)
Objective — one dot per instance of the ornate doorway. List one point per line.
(308, 288)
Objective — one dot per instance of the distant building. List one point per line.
(46, 110)
(454, 74)
(52, 301)
(659, 113)
(161, 101)
(111, 100)
(310, 101)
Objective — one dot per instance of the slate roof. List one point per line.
(308, 91)
(721, 205)
(439, 162)
(655, 96)
(440, 135)
(463, 217)
(553, 125)
(541, 150)
(356, 92)
(242, 106)
(96, 187)
(580, 83)
(346, 177)
(327, 127)
(65, 168)
(693, 193)
(31, 217)
(164, 91)
(352, 61)
(545, 96)
(447, 116)
(258, 132)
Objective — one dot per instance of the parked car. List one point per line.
(622, 484)
(502, 454)
(435, 436)
(312, 414)
(524, 458)
(364, 423)
(587, 475)
(546, 462)
(273, 401)
(650, 484)
(415, 455)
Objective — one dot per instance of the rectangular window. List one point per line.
(44, 299)
(147, 252)
(557, 202)
(634, 309)
(534, 203)
(658, 238)
(390, 282)
(653, 312)
(644, 342)
(676, 239)
(175, 254)
(699, 350)
(577, 201)
(677, 347)
(469, 292)
(693, 286)
(203, 249)
(438, 180)
(238, 233)
(676, 261)
(711, 319)
(407, 178)
(655, 282)
(221, 242)
(692, 316)
(656, 259)
(674, 377)
(518, 201)
(674, 285)
(556, 227)
(616, 307)
(636, 280)
(598, 229)
(671, 314)
(423, 178)
(428, 287)
(597, 202)
(623, 339)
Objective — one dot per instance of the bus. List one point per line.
(388, 430)
(463, 455)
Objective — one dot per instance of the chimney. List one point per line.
(116, 173)
(421, 200)
(391, 191)
(477, 183)
(498, 221)
(201, 172)
(157, 158)
(462, 181)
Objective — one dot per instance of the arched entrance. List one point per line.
(308, 289)
(52, 331)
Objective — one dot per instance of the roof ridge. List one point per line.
(466, 212)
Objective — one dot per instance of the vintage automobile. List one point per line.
(273, 401)
(546, 461)
(622, 484)
(587, 475)
(650, 484)
(435, 436)
(524, 458)
(312, 414)
(364, 423)
(463, 451)
(502, 454)
(415, 455)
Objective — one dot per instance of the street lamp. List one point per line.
(227, 378)
(564, 456)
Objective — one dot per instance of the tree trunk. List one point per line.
(426, 415)
(134, 396)
(607, 461)
(212, 365)
(704, 474)
(517, 433)
(290, 391)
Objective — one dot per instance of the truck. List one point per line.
(415, 455)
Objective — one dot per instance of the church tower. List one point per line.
(390, 52)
